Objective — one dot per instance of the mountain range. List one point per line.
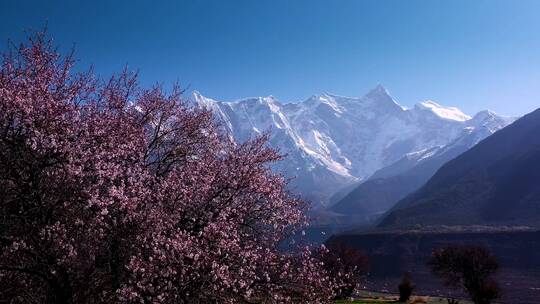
(336, 143)
(390, 184)
(494, 183)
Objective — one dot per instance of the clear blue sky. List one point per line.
(470, 54)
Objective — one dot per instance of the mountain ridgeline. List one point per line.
(494, 183)
(390, 184)
(370, 144)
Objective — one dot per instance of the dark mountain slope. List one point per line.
(391, 184)
(496, 182)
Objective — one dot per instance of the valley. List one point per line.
(270, 152)
(392, 253)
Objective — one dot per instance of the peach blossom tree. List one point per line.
(111, 193)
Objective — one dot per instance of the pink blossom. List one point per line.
(111, 193)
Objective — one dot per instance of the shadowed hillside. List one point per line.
(496, 182)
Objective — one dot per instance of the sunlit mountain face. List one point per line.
(334, 142)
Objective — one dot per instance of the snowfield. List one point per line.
(333, 141)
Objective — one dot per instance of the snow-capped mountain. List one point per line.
(475, 129)
(389, 185)
(333, 141)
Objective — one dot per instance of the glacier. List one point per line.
(333, 142)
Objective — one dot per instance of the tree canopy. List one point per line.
(111, 193)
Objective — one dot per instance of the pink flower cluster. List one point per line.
(110, 193)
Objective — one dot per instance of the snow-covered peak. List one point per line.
(449, 113)
(379, 90)
(198, 97)
(334, 140)
(381, 98)
(203, 101)
(379, 93)
(484, 114)
(488, 115)
(489, 120)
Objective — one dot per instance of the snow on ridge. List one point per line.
(487, 115)
(331, 102)
(450, 113)
(333, 140)
(381, 93)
